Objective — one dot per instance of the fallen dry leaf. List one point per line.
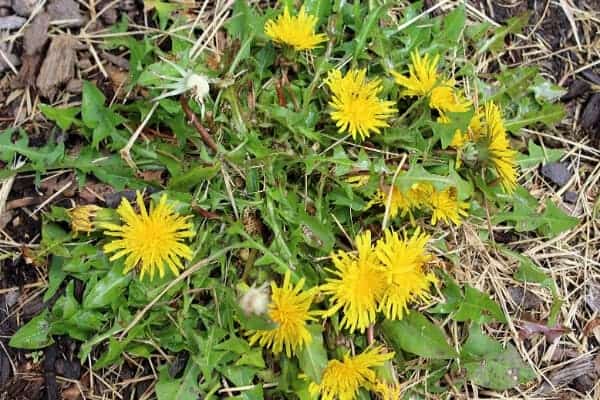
(528, 329)
(591, 326)
(152, 176)
(36, 34)
(592, 298)
(71, 393)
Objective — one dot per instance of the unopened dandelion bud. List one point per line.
(82, 218)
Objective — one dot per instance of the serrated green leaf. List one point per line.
(555, 221)
(545, 91)
(319, 8)
(184, 388)
(35, 334)
(538, 155)
(195, 176)
(548, 115)
(458, 122)
(107, 290)
(417, 335)
(453, 295)
(479, 307)
(64, 117)
(313, 356)
(454, 24)
(418, 174)
(490, 365)
(56, 275)
(366, 30)
(95, 115)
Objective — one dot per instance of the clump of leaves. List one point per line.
(365, 127)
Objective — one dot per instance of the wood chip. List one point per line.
(28, 72)
(592, 298)
(566, 374)
(58, 67)
(24, 7)
(66, 10)
(36, 34)
(11, 22)
(590, 118)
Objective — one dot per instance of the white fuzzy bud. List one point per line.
(198, 85)
(256, 300)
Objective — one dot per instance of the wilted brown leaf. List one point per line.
(528, 329)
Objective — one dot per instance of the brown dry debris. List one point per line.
(58, 67)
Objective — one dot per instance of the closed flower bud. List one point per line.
(82, 218)
(86, 218)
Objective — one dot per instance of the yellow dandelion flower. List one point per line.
(421, 192)
(150, 240)
(461, 139)
(387, 391)
(404, 260)
(298, 31)
(446, 207)
(82, 218)
(400, 203)
(357, 285)
(423, 80)
(289, 311)
(501, 156)
(445, 99)
(423, 76)
(356, 106)
(342, 379)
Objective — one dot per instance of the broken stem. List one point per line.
(193, 119)
(125, 151)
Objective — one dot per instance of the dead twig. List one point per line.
(193, 119)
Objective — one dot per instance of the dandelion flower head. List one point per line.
(290, 311)
(356, 286)
(444, 98)
(423, 80)
(356, 107)
(404, 260)
(150, 240)
(387, 391)
(342, 379)
(400, 203)
(422, 75)
(446, 207)
(296, 31)
(501, 156)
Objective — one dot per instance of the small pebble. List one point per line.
(570, 197)
(556, 172)
(11, 22)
